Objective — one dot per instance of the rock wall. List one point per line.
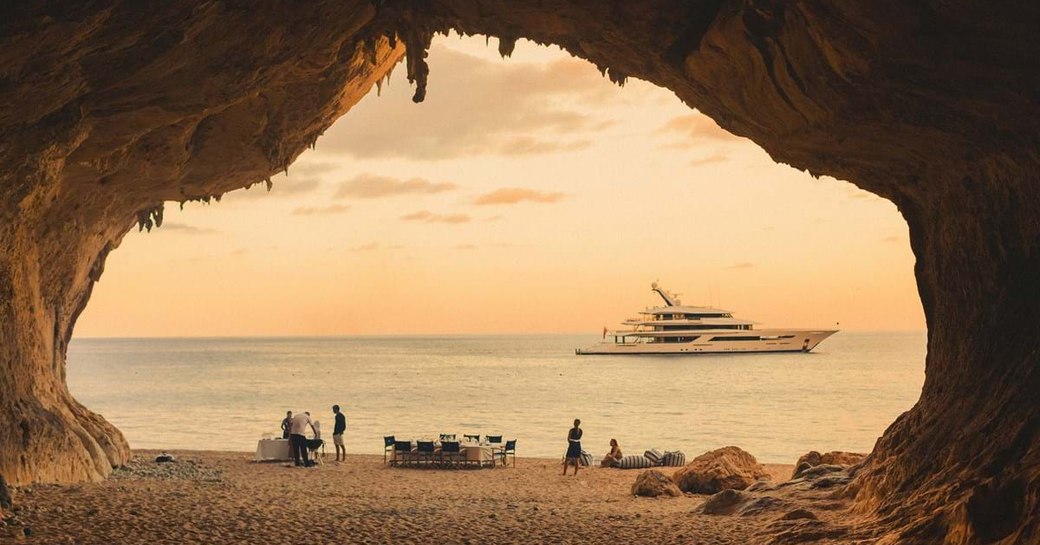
(122, 106)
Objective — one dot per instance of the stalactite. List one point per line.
(417, 44)
(151, 217)
(506, 45)
(617, 77)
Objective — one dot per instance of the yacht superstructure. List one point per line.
(679, 329)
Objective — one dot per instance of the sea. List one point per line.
(226, 393)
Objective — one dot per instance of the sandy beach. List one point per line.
(223, 497)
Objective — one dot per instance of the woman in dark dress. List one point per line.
(285, 425)
(573, 447)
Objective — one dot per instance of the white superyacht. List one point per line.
(678, 329)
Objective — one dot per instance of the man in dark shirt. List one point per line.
(337, 434)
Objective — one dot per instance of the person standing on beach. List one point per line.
(286, 423)
(337, 433)
(573, 448)
(297, 441)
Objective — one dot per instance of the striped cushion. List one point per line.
(634, 461)
(655, 456)
(674, 458)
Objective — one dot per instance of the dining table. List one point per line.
(479, 453)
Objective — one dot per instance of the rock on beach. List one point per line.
(813, 458)
(652, 483)
(720, 469)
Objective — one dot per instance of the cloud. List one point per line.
(312, 169)
(514, 195)
(370, 186)
(530, 146)
(181, 228)
(477, 107)
(429, 217)
(314, 210)
(695, 129)
(717, 157)
(374, 246)
(742, 265)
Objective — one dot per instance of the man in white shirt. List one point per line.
(297, 440)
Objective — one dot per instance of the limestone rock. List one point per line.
(799, 514)
(5, 495)
(721, 469)
(817, 471)
(760, 485)
(800, 469)
(836, 458)
(759, 505)
(725, 502)
(652, 483)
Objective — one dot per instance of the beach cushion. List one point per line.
(655, 456)
(674, 458)
(586, 458)
(634, 461)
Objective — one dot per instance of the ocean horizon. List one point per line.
(226, 392)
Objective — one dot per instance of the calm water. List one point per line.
(224, 394)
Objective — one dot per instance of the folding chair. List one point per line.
(508, 450)
(388, 446)
(402, 453)
(451, 454)
(313, 445)
(426, 452)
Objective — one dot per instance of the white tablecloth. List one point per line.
(272, 449)
(477, 453)
(474, 453)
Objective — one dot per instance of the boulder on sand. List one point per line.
(721, 469)
(834, 458)
(653, 483)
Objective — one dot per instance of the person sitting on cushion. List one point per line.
(612, 457)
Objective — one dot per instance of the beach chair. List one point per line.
(426, 453)
(402, 453)
(451, 454)
(493, 439)
(388, 446)
(508, 450)
(474, 438)
(447, 437)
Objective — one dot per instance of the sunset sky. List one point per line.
(524, 195)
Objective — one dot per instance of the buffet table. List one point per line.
(270, 450)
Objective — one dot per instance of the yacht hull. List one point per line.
(768, 341)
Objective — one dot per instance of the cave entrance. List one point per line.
(529, 196)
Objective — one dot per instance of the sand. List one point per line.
(223, 497)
